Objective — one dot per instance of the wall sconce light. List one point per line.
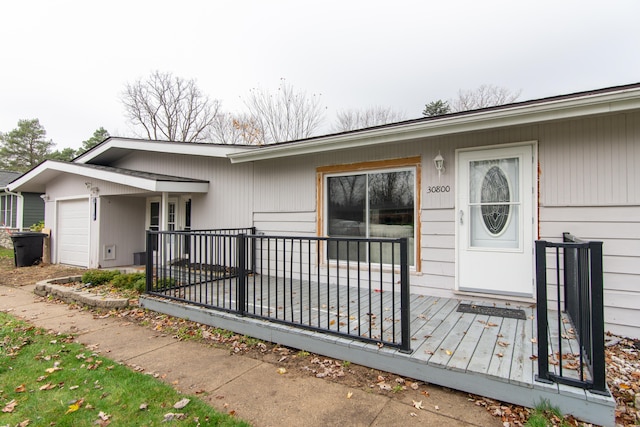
(438, 161)
(44, 197)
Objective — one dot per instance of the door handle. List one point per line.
(461, 215)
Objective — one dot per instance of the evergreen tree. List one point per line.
(436, 108)
(25, 146)
(98, 136)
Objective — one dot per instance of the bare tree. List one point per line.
(286, 115)
(483, 97)
(358, 119)
(170, 108)
(237, 129)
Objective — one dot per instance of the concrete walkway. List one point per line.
(253, 389)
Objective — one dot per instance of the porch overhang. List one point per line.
(36, 179)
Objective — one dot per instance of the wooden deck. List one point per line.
(483, 354)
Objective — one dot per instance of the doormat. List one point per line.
(511, 313)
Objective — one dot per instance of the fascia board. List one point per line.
(131, 181)
(186, 148)
(625, 100)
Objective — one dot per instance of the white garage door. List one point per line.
(73, 232)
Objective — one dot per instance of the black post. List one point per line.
(242, 274)
(149, 262)
(405, 321)
(541, 311)
(597, 318)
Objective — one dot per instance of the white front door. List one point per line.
(495, 221)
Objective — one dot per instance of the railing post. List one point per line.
(149, 262)
(597, 318)
(541, 311)
(405, 314)
(241, 283)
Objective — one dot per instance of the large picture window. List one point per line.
(371, 204)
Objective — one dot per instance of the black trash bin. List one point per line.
(27, 248)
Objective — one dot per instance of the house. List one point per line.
(17, 210)
(471, 191)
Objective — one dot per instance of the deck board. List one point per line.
(436, 328)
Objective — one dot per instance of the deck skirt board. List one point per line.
(437, 329)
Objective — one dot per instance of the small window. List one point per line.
(372, 204)
(8, 210)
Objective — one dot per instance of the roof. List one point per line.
(37, 178)
(6, 177)
(114, 148)
(581, 104)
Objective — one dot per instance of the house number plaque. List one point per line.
(438, 189)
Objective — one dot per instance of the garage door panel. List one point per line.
(73, 232)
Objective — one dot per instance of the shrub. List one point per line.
(99, 277)
(38, 226)
(135, 281)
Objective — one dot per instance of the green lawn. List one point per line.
(6, 253)
(49, 380)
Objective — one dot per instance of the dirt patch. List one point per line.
(10, 275)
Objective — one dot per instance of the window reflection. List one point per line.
(376, 204)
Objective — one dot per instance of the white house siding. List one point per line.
(228, 202)
(590, 186)
(122, 225)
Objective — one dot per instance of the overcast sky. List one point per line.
(67, 62)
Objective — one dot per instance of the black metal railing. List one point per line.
(578, 310)
(358, 288)
(196, 265)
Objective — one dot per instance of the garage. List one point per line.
(73, 232)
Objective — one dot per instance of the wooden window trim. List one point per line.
(415, 162)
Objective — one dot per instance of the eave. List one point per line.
(558, 108)
(37, 178)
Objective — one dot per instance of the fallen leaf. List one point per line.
(418, 404)
(9, 407)
(47, 386)
(436, 407)
(281, 371)
(181, 403)
(24, 423)
(171, 416)
(503, 343)
(143, 406)
(499, 354)
(20, 389)
(413, 414)
(332, 322)
(75, 406)
(425, 393)
(349, 395)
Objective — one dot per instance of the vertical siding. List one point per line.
(591, 161)
(229, 201)
(122, 223)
